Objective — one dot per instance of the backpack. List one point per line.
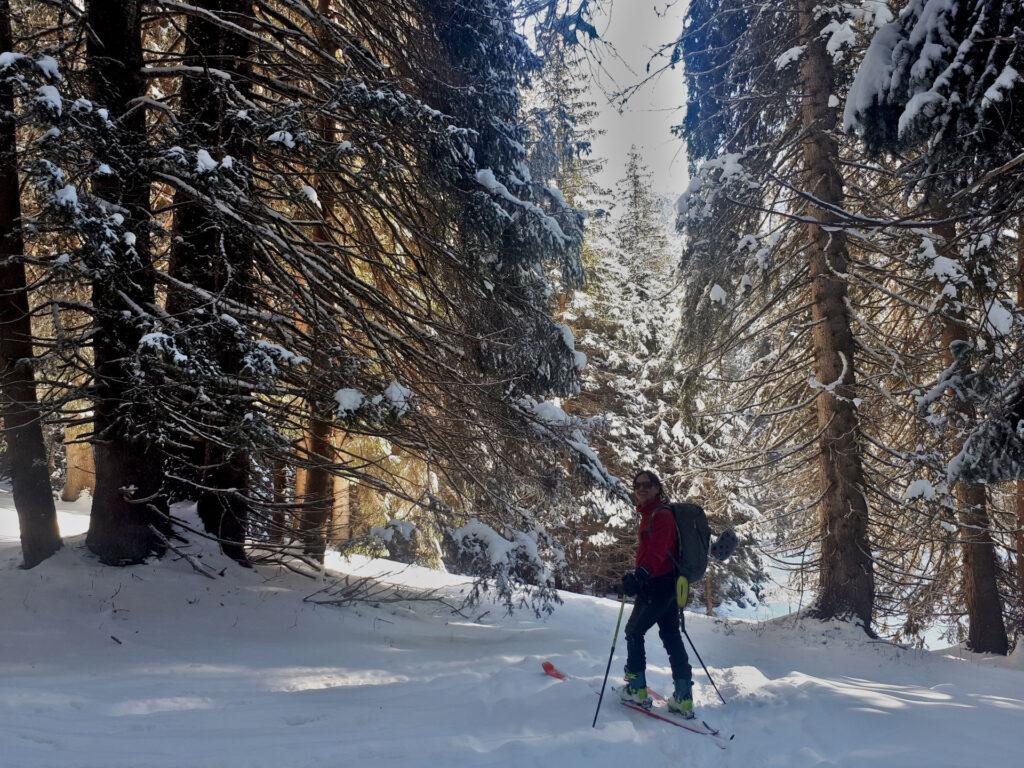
(693, 539)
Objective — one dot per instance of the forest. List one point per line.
(344, 276)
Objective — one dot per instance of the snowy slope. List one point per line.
(239, 671)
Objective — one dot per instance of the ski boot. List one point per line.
(681, 701)
(635, 690)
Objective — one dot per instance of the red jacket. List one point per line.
(657, 535)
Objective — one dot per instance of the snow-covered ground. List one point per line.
(157, 666)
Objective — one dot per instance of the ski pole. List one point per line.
(615, 637)
(682, 626)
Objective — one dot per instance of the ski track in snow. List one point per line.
(240, 672)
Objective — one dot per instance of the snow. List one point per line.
(154, 666)
(547, 411)
(1002, 83)
(403, 528)
(579, 358)
(161, 342)
(205, 162)
(946, 270)
(399, 397)
(310, 194)
(871, 83)
(282, 137)
(789, 56)
(840, 36)
(999, 320)
(48, 66)
(349, 400)
(921, 104)
(67, 197)
(920, 489)
(485, 178)
(50, 98)
(814, 383)
(9, 58)
(874, 12)
(717, 294)
(279, 354)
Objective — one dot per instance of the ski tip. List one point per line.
(552, 670)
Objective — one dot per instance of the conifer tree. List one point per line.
(939, 83)
(117, 250)
(767, 177)
(25, 457)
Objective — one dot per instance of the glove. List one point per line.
(682, 591)
(633, 583)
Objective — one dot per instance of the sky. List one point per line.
(631, 32)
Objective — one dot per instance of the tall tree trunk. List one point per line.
(279, 518)
(319, 482)
(846, 578)
(1019, 498)
(1020, 483)
(129, 468)
(986, 630)
(199, 254)
(26, 451)
(319, 489)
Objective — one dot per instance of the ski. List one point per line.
(715, 735)
(667, 717)
(558, 674)
(689, 725)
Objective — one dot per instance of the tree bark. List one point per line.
(986, 630)
(81, 468)
(129, 468)
(846, 578)
(1020, 483)
(279, 518)
(220, 262)
(319, 482)
(318, 491)
(26, 450)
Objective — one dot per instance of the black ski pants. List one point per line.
(657, 605)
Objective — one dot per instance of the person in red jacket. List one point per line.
(653, 583)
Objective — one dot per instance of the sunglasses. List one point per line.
(643, 485)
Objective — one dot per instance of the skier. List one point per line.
(660, 595)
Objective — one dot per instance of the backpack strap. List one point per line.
(674, 553)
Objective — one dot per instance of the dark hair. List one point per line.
(653, 477)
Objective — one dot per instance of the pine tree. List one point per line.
(129, 465)
(940, 82)
(765, 127)
(212, 256)
(25, 455)
(292, 219)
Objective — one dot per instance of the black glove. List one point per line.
(634, 583)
